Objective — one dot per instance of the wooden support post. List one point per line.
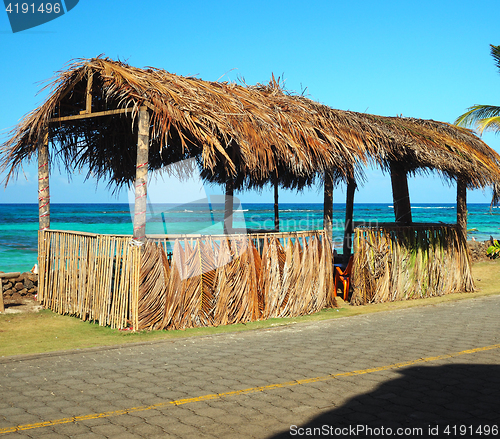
(88, 94)
(276, 206)
(141, 176)
(2, 307)
(349, 225)
(43, 185)
(228, 206)
(462, 205)
(328, 205)
(400, 193)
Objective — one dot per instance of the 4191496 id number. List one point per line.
(27, 8)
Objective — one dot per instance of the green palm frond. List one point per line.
(495, 52)
(483, 117)
(489, 124)
(476, 115)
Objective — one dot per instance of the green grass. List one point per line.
(45, 331)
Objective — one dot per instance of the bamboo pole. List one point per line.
(141, 176)
(400, 193)
(42, 273)
(43, 185)
(134, 287)
(328, 205)
(349, 227)
(462, 206)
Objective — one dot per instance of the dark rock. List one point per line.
(28, 283)
(477, 250)
(20, 278)
(32, 277)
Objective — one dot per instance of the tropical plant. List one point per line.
(483, 117)
(493, 251)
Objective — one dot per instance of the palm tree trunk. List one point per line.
(400, 194)
(462, 206)
(328, 205)
(141, 176)
(349, 226)
(228, 206)
(43, 185)
(276, 206)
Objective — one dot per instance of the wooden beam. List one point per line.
(88, 115)
(276, 206)
(72, 232)
(462, 206)
(349, 225)
(228, 206)
(400, 193)
(141, 176)
(43, 185)
(10, 275)
(328, 205)
(85, 115)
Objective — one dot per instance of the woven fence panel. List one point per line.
(410, 262)
(93, 277)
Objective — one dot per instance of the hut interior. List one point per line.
(119, 122)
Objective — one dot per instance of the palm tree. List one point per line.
(483, 117)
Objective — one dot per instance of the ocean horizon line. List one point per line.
(19, 221)
(387, 203)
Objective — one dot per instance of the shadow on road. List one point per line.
(452, 401)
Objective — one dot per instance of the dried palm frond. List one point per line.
(248, 133)
(401, 263)
(172, 317)
(153, 286)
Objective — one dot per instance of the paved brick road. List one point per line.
(128, 391)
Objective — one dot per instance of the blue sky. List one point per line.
(426, 59)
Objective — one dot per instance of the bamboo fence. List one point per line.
(408, 262)
(93, 277)
(209, 280)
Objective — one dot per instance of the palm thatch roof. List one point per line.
(250, 133)
(425, 145)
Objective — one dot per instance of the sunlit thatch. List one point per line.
(251, 133)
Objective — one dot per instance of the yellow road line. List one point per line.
(243, 391)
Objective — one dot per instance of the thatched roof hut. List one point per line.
(116, 122)
(249, 134)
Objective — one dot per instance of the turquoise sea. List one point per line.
(19, 222)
